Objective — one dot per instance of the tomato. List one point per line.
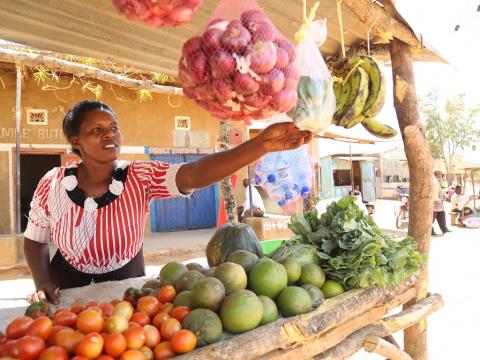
(18, 327)
(54, 353)
(152, 335)
(140, 318)
(123, 308)
(148, 305)
(28, 347)
(7, 347)
(159, 319)
(107, 309)
(79, 358)
(115, 301)
(163, 351)
(104, 357)
(55, 330)
(132, 324)
(68, 339)
(116, 324)
(76, 308)
(165, 308)
(147, 352)
(90, 346)
(135, 336)
(60, 308)
(115, 344)
(132, 355)
(167, 294)
(65, 318)
(41, 327)
(37, 309)
(90, 304)
(179, 312)
(90, 321)
(169, 327)
(183, 341)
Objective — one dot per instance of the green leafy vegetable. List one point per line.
(352, 249)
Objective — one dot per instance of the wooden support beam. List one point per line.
(382, 328)
(372, 14)
(384, 348)
(34, 59)
(421, 184)
(223, 144)
(289, 332)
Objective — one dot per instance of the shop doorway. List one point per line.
(32, 169)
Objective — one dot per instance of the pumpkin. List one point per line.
(229, 238)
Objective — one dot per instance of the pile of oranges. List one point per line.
(151, 329)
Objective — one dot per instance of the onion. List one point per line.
(245, 84)
(203, 92)
(193, 44)
(189, 92)
(261, 30)
(253, 15)
(263, 56)
(284, 100)
(211, 40)
(198, 64)
(187, 79)
(180, 15)
(236, 37)
(222, 64)
(292, 75)
(256, 100)
(222, 90)
(192, 3)
(133, 9)
(282, 58)
(288, 47)
(272, 82)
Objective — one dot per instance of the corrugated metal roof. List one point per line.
(92, 28)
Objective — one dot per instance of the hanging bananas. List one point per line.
(360, 89)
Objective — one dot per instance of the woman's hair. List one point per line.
(75, 116)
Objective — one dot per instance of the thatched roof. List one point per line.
(92, 28)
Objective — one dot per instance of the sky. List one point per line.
(436, 20)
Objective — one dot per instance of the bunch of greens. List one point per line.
(352, 249)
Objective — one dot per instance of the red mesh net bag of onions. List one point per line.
(158, 12)
(240, 67)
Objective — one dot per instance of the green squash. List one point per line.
(229, 238)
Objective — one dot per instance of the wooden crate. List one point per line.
(271, 228)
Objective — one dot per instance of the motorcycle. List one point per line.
(402, 216)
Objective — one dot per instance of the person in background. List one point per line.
(459, 202)
(258, 207)
(438, 206)
(356, 191)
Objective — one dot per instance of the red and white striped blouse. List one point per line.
(106, 238)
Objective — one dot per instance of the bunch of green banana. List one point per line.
(360, 93)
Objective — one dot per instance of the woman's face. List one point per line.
(99, 137)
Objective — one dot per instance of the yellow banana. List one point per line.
(378, 129)
(377, 85)
(358, 96)
(354, 121)
(342, 94)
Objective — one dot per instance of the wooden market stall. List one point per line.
(356, 319)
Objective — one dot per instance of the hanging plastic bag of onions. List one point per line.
(240, 67)
(158, 12)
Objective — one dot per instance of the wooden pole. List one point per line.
(382, 347)
(223, 144)
(55, 64)
(420, 166)
(18, 118)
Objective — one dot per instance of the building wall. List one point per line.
(143, 124)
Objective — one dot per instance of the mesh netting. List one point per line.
(240, 67)
(158, 12)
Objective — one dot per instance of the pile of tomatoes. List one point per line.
(111, 330)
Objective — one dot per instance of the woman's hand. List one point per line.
(283, 136)
(47, 292)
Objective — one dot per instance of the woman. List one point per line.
(95, 211)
